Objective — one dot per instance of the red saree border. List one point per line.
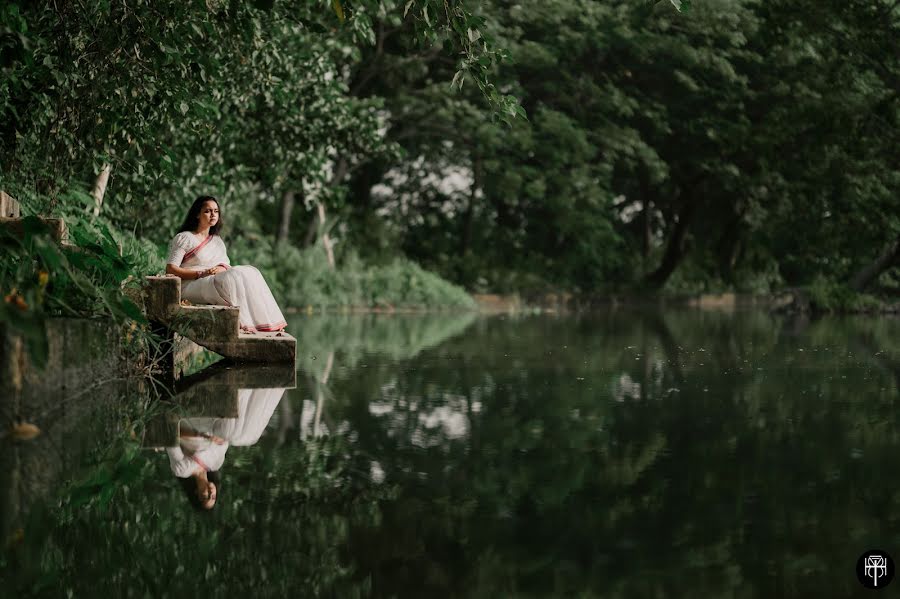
(270, 327)
(200, 462)
(189, 254)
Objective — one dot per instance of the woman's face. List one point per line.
(206, 492)
(209, 215)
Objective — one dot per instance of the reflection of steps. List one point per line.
(216, 328)
(213, 393)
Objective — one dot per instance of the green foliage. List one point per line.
(41, 278)
(303, 278)
(748, 143)
(828, 296)
(182, 95)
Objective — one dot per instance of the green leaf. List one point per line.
(338, 9)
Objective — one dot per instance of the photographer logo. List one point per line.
(875, 569)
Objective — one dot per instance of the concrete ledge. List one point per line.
(55, 226)
(213, 323)
(162, 297)
(257, 347)
(162, 300)
(9, 207)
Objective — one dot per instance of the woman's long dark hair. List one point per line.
(189, 486)
(192, 220)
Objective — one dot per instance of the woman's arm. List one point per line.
(188, 274)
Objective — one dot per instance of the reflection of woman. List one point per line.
(202, 443)
(196, 461)
(197, 255)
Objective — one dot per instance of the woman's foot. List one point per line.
(248, 330)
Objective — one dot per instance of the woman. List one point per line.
(197, 255)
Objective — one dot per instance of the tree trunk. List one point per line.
(675, 249)
(326, 239)
(341, 169)
(284, 222)
(100, 187)
(647, 227)
(728, 248)
(885, 260)
(646, 231)
(310, 237)
(646, 218)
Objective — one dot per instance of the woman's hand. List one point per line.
(211, 271)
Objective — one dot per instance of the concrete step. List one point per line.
(9, 207)
(12, 221)
(216, 328)
(55, 226)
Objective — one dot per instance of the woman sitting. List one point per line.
(197, 255)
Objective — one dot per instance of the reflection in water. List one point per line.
(223, 406)
(203, 441)
(615, 455)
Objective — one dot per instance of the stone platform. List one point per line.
(216, 328)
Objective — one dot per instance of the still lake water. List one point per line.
(624, 454)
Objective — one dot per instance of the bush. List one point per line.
(826, 295)
(41, 278)
(303, 278)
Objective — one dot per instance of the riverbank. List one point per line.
(797, 300)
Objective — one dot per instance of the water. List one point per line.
(628, 454)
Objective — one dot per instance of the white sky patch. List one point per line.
(380, 408)
(453, 182)
(376, 472)
(452, 424)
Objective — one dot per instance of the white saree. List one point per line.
(240, 286)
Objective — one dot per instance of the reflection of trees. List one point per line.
(350, 338)
(398, 336)
(724, 486)
(501, 462)
(280, 524)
